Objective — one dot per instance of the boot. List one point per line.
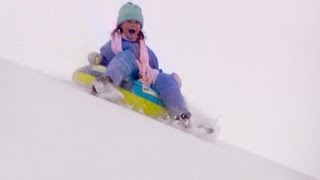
(104, 88)
(184, 119)
(101, 84)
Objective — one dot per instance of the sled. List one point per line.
(137, 96)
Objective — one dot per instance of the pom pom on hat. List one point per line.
(130, 11)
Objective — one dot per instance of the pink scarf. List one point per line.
(148, 75)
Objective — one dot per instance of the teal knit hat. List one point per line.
(130, 11)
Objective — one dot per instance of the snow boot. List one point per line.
(104, 88)
(99, 85)
(184, 119)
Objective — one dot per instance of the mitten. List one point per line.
(149, 76)
(94, 58)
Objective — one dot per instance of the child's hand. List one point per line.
(116, 43)
(148, 75)
(94, 58)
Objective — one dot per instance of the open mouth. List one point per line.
(132, 31)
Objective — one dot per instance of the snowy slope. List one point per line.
(256, 63)
(49, 130)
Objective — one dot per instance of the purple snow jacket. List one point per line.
(133, 47)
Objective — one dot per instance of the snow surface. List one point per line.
(49, 130)
(255, 63)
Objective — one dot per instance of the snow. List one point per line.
(254, 63)
(50, 130)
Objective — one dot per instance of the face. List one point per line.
(131, 29)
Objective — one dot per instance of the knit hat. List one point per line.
(130, 11)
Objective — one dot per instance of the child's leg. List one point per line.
(169, 91)
(122, 66)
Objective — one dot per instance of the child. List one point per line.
(127, 55)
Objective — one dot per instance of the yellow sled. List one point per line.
(137, 96)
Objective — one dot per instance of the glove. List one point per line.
(150, 75)
(116, 43)
(94, 58)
